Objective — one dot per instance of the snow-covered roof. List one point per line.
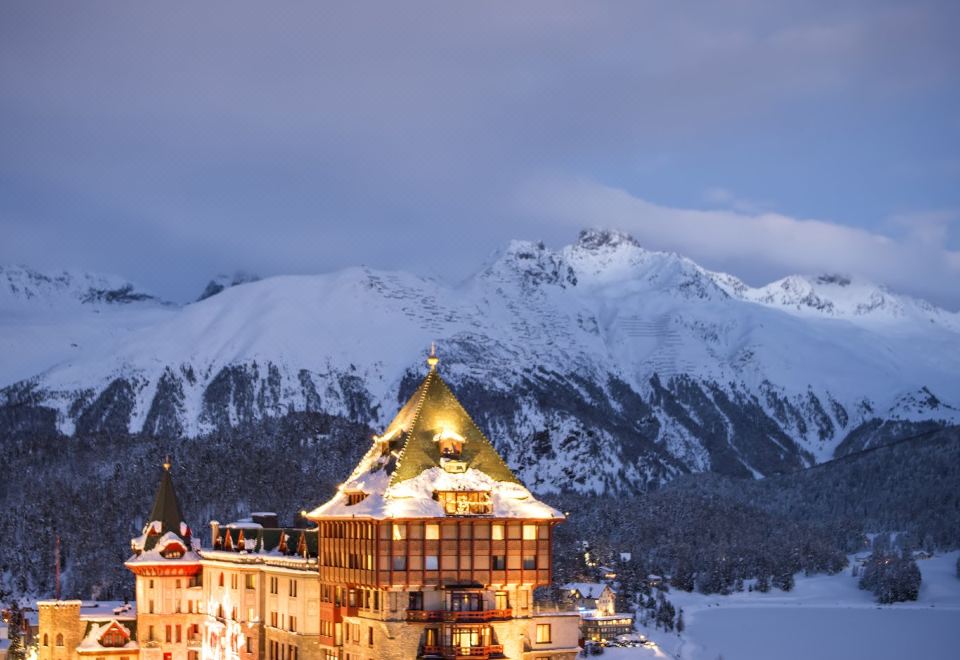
(161, 544)
(404, 468)
(95, 633)
(414, 498)
(587, 589)
(165, 524)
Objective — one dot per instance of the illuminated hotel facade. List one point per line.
(432, 548)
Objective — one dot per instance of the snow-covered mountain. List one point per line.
(620, 365)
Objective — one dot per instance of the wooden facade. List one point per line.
(434, 552)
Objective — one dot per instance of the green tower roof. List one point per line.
(433, 411)
(166, 510)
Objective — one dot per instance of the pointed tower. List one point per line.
(450, 544)
(167, 569)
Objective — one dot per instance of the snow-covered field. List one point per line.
(825, 617)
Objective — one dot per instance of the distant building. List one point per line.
(599, 619)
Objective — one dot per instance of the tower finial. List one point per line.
(167, 463)
(432, 359)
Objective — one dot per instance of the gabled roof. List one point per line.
(432, 410)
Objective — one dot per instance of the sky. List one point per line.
(168, 142)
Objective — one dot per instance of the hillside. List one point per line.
(623, 367)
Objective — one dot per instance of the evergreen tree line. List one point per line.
(707, 532)
(96, 491)
(891, 576)
(716, 534)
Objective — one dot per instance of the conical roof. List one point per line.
(433, 411)
(166, 511)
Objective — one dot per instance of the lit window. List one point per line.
(543, 633)
(529, 532)
(113, 638)
(497, 532)
(432, 532)
(399, 531)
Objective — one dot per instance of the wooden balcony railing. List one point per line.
(461, 616)
(464, 652)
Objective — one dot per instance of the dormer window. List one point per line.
(355, 497)
(114, 637)
(173, 551)
(465, 503)
(450, 444)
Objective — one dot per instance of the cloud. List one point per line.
(170, 142)
(760, 246)
(723, 197)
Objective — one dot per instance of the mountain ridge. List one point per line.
(623, 366)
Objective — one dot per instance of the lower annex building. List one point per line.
(432, 548)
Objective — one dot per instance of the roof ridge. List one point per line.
(479, 430)
(424, 386)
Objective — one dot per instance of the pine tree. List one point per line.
(763, 583)
(681, 626)
(17, 650)
(784, 580)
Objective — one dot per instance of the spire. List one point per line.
(166, 511)
(432, 359)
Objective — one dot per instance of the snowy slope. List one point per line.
(616, 363)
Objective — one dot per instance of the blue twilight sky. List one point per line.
(168, 142)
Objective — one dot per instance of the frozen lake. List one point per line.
(826, 617)
(801, 633)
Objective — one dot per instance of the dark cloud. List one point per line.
(172, 141)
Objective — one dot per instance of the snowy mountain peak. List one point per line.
(837, 295)
(20, 286)
(604, 239)
(222, 281)
(530, 264)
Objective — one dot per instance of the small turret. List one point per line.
(165, 531)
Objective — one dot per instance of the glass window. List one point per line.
(430, 563)
(529, 532)
(399, 531)
(543, 633)
(432, 532)
(497, 532)
(499, 562)
(529, 562)
(400, 563)
(415, 600)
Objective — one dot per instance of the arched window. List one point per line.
(59, 639)
(46, 639)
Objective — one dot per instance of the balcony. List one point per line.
(461, 616)
(463, 652)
